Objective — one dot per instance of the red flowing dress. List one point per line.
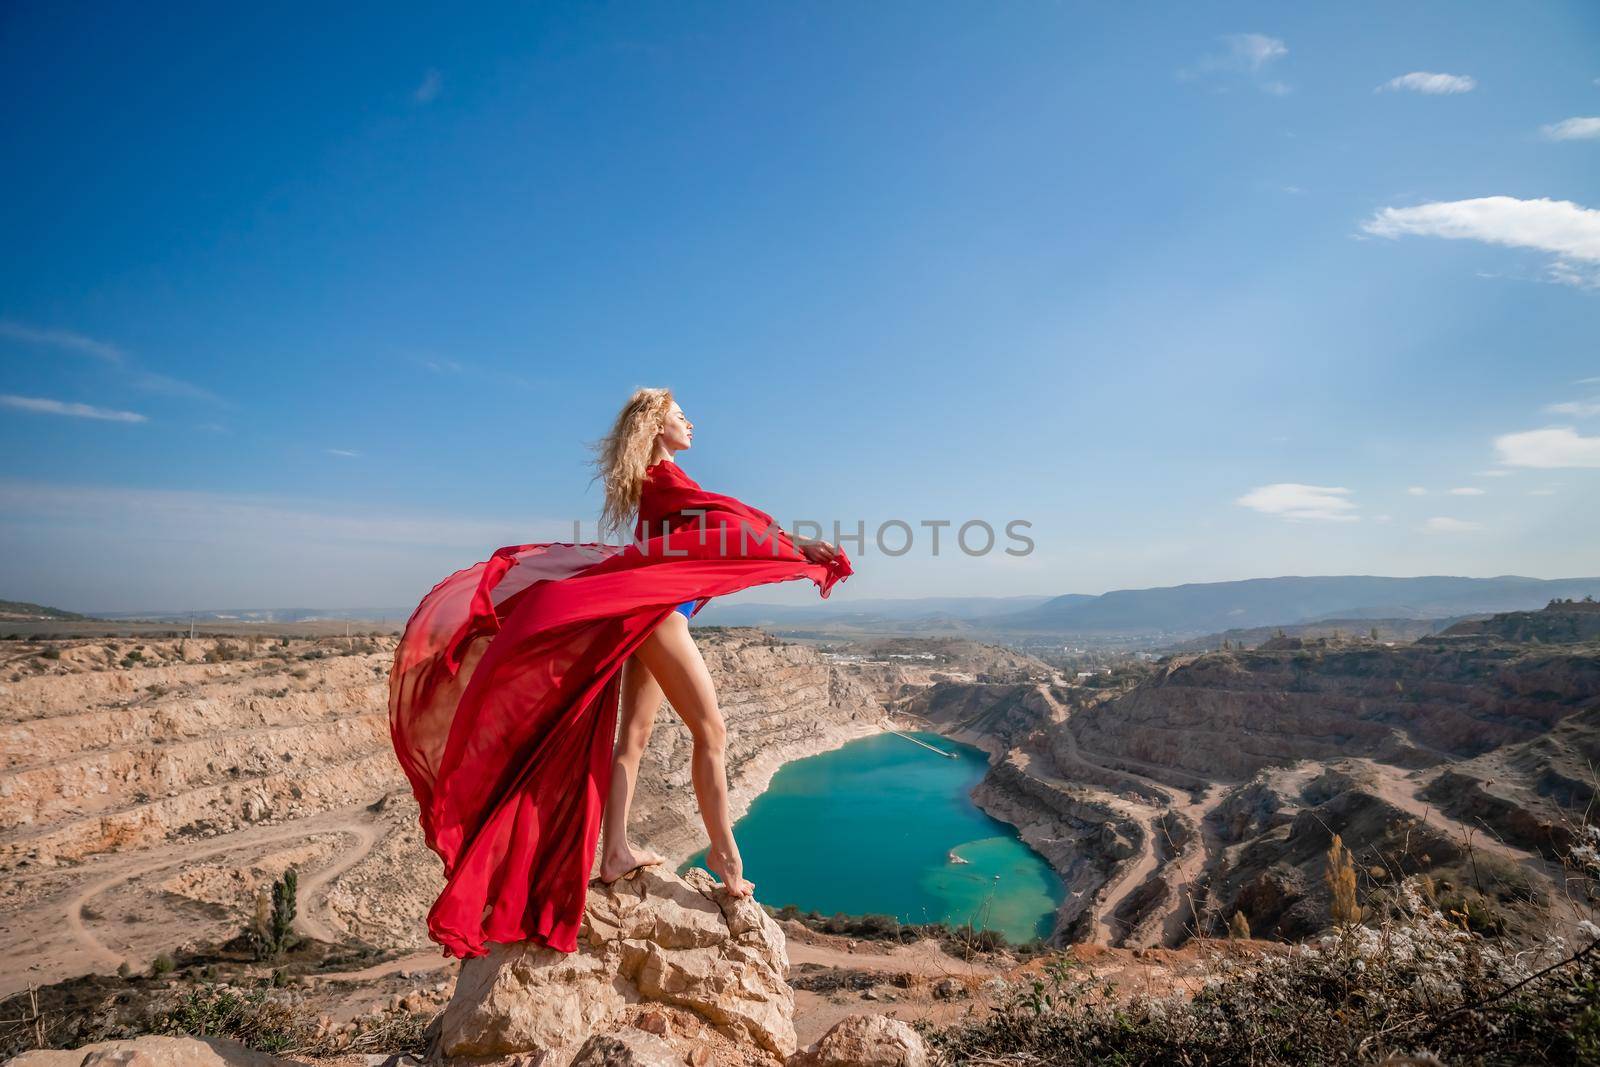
(504, 694)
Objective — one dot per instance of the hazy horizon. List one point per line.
(753, 598)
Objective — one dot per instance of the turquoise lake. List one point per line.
(869, 828)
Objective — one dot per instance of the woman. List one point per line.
(503, 700)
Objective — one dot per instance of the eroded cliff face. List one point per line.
(104, 753)
(1229, 715)
(1216, 785)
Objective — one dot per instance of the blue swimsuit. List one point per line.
(687, 607)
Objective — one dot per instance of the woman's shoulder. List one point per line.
(666, 471)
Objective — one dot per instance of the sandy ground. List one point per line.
(131, 907)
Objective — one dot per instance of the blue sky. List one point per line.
(309, 306)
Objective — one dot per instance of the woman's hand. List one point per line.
(817, 551)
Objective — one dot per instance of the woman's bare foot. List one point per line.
(731, 870)
(615, 865)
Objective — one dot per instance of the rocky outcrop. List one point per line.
(668, 971)
(1561, 623)
(153, 1052)
(653, 938)
(628, 1048)
(865, 1041)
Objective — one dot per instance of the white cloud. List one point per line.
(1247, 54)
(1296, 502)
(1422, 81)
(1541, 492)
(46, 406)
(1581, 409)
(162, 384)
(428, 90)
(1490, 474)
(149, 381)
(1554, 447)
(1255, 50)
(1382, 518)
(1566, 230)
(1445, 524)
(75, 342)
(1579, 277)
(344, 453)
(1417, 490)
(1585, 128)
(1466, 491)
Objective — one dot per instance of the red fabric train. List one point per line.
(504, 692)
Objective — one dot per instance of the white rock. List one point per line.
(153, 1052)
(652, 937)
(627, 1048)
(865, 1041)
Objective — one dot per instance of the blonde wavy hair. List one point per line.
(622, 455)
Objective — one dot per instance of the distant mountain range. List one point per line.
(18, 610)
(1213, 606)
(1178, 611)
(951, 612)
(1171, 612)
(397, 616)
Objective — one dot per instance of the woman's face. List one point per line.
(677, 432)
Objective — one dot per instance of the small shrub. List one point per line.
(251, 1017)
(161, 965)
(1341, 878)
(272, 933)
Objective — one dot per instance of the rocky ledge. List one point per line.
(153, 1052)
(669, 970)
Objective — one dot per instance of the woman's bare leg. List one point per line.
(674, 660)
(641, 698)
